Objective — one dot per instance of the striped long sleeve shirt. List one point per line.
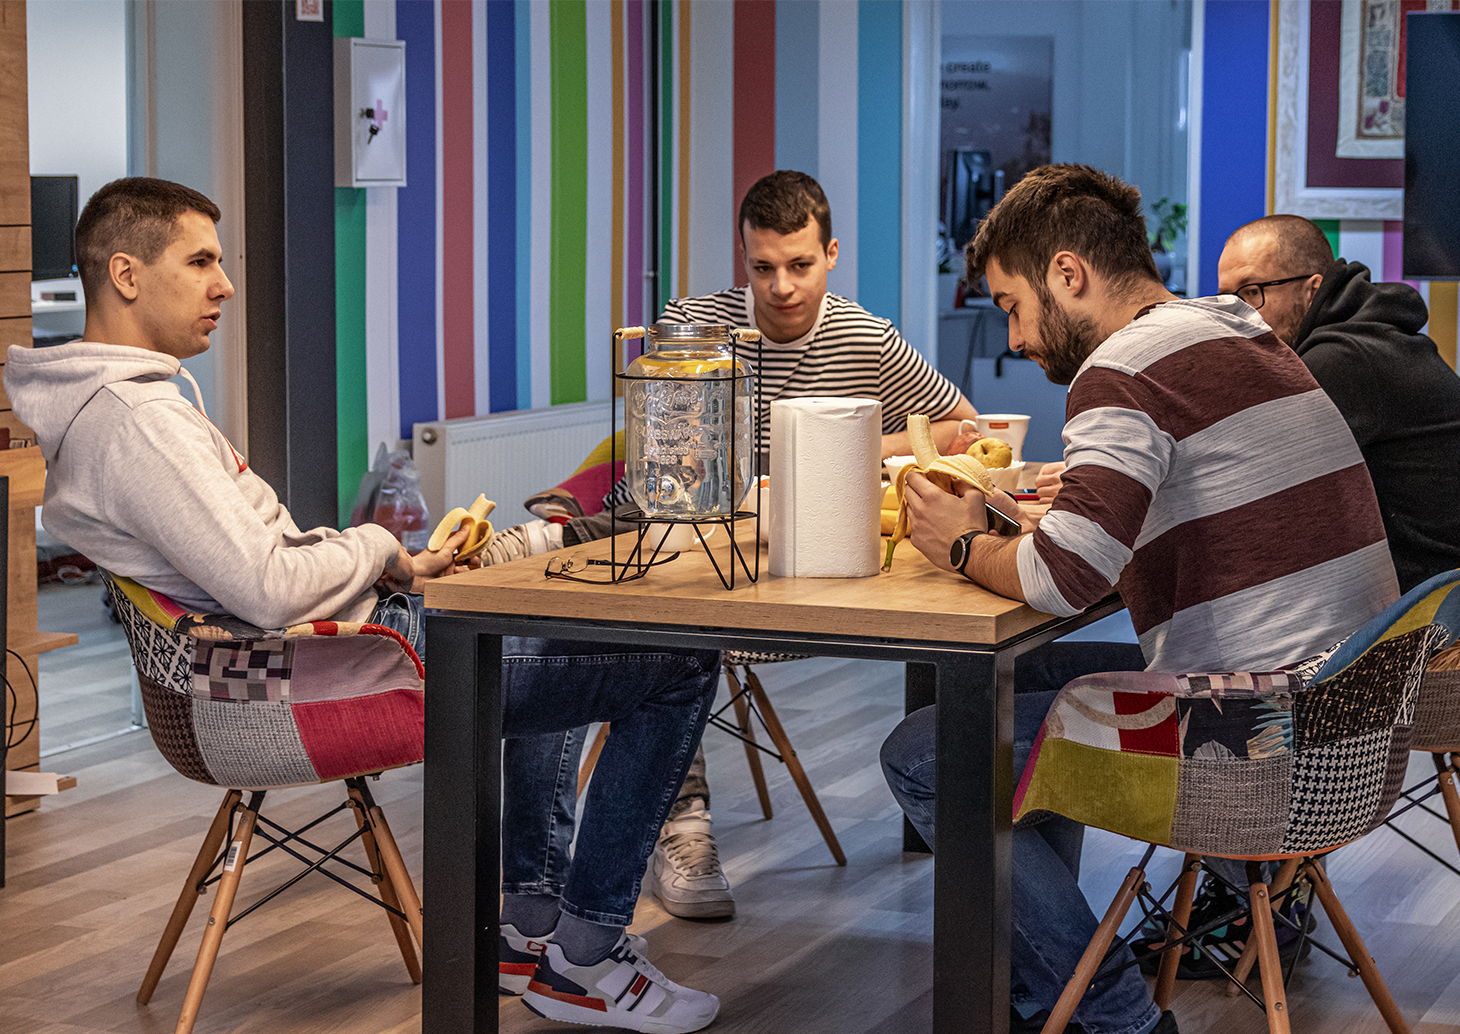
(1211, 480)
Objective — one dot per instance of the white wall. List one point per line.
(1117, 80)
(76, 53)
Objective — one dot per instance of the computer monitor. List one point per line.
(52, 227)
(1431, 147)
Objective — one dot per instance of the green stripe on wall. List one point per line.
(1330, 230)
(352, 434)
(568, 319)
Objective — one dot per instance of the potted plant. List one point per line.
(1170, 223)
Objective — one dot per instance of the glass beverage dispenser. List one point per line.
(688, 421)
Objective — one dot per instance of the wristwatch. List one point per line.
(959, 553)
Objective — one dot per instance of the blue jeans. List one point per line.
(1052, 922)
(657, 699)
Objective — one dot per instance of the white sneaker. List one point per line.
(685, 873)
(624, 990)
(522, 540)
(517, 959)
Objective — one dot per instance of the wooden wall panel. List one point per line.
(15, 295)
(14, 249)
(24, 464)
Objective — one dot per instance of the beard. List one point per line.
(1065, 341)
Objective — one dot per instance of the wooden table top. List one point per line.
(914, 601)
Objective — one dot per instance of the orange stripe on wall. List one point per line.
(1444, 315)
(1272, 92)
(682, 283)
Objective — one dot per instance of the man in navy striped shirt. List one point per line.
(1194, 437)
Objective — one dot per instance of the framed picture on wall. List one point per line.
(1319, 168)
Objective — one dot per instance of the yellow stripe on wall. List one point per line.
(1444, 314)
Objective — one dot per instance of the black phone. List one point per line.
(1001, 523)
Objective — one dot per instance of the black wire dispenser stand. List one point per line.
(645, 552)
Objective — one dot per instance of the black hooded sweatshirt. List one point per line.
(1402, 401)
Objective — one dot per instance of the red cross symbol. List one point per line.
(379, 112)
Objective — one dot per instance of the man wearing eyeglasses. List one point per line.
(1362, 343)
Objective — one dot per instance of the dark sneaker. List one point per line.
(1166, 1024)
(624, 990)
(1224, 943)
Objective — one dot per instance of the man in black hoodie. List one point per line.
(1362, 343)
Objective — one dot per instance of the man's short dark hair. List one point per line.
(1302, 248)
(1058, 208)
(782, 202)
(136, 215)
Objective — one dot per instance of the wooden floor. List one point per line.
(815, 949)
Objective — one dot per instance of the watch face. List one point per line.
(958, 553)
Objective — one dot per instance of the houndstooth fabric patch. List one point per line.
(160, 655)
(1336, 787)
(257, 670)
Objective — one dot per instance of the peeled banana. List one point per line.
(474, 517)
(942, 471)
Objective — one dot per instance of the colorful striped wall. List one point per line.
(526, 233)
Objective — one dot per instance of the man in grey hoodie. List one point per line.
(142, 483)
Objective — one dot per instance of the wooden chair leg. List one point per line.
(1269, 965)
(1280, 883)
(1180, 923)
(793, 765)
(1063, 1009)
(218, 917)
(590, 762)
(192, 890)
(747, 729)
(398, 926)
(395, 868)
(1445, 772)
(1354, 945)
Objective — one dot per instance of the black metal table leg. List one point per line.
(971, 920)
(463, 793)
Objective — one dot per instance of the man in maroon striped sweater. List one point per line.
(1207, 476)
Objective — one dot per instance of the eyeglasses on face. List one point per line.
(1254, 295)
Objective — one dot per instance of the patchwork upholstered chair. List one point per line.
(1437, 733)
(1279, 765)
(251, 710)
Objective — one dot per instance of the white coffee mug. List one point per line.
(1008, 427)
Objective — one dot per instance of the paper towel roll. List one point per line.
(826, 454)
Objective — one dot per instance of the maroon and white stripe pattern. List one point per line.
(848, 353)
(1212, 479)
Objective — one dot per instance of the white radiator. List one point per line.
(508, 456)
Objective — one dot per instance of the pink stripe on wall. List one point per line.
(1394, 253)
(755, 109)
(635, 54)
(457, 276)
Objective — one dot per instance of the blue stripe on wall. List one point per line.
(1233, 149)
(523, 123)
(501, 126)
(879, 180)
(416, 219)
(798, 77)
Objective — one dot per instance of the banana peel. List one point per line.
(943, 471)
(474, 517)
